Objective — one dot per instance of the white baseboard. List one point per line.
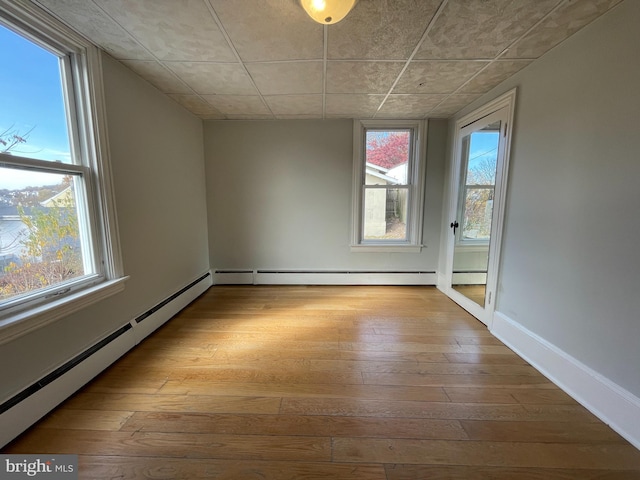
(229, 277)
(469, 278)
(33, 406)
(260, 277)
(608, 401)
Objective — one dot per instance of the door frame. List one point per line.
(484, 314)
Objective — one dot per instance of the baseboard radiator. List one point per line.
(29, 405)
(323, 277)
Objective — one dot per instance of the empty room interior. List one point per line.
(394, 242)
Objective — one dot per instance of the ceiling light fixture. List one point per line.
(328, 12)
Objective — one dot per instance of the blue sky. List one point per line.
(484, 145)
(31, 97)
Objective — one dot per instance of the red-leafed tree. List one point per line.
(387, 149)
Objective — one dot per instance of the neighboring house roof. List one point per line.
(11, 231)
(10, 212)
(65, 196)
(380, 172)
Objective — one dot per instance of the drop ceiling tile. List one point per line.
(562, 23)
(494, 74)
(295, 104)
(468, 29)
(182, 30)
(436, 76)
(214, 78)
(381, 29)
(452, 105)
(164, 79)
(281, 78)
(352, 106)
(249, 117)
(93, 23)
(217, 116)
(238, 104)
(410, 106)
(196, 105)
(361, 77)
(298, 117)
(270, 30)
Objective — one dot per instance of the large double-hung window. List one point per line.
(58, 242)
(388, 185)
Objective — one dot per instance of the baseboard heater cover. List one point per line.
(323, 277)
(58, 372)
(153, 310)
(29, 405)
(157, 316)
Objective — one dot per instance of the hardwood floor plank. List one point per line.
(309, 425)
(458, 472)
(451, 380)
(399, 393)
(86, 419)
(403, 338)
(212, 366)
(539, 394)
(177, 445)
(130, 381)
(235, 355)
(420, 347)
(453, 411)
(398, 409)
(547, 432)
(508, 358)
(337, 365)
(221, 375)
(173, 403)
(504, 454)
(126, 468)
(392, 356)
(419, 328)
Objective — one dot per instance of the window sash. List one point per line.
(88, 242)
(414, 184)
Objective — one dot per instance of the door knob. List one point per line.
(454, 225)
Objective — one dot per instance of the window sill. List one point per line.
(389, 248)
(20, 323)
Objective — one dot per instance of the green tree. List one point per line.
(50, 252)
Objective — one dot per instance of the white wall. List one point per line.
(157, 160)
(571, 264)
(279, 197)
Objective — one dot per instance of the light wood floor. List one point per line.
(394, 383)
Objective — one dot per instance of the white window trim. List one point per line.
(91, 118)
(413, 244)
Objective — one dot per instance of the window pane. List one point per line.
(387, 157)
(385, 213)
(32, 117)
(478, 208)
(483, 155)
(40, 231)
